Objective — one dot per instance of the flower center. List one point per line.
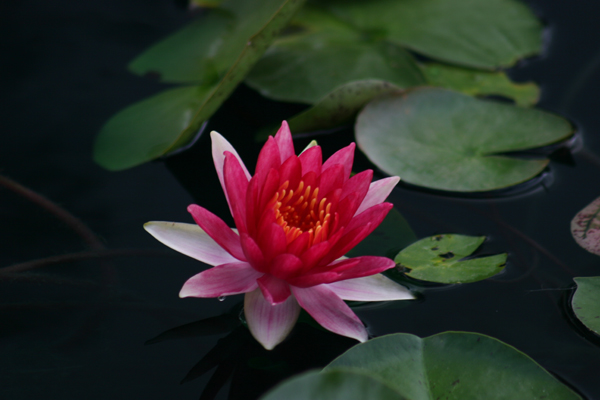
(298, 211)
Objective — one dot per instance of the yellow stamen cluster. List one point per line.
(297, 211)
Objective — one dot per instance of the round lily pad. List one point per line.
(585, 227)
(586, 302)
(453, 366)
(446, 140)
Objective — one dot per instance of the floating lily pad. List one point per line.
(133, 136)
(477, 33)
(452, 365)
(438, 259)
(323, 54)
(340, 106)
(586, 302)
(391, 235)
(477, 83)
(585, 227)
(446, 140)
(332, 385)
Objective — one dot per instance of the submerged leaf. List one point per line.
(438, 259)
(476, 33)
(322, 54)
(340, 106)
(452, 365)
(586, 302)
(137, 135)
(450, 141)
(478, 83)
(585, 227)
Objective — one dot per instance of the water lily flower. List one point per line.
(296, 217)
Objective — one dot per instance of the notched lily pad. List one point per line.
(585, 227)
(446, 140)
(586, 302)
(439, 259)
(452, 365)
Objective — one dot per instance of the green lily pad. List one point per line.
(477, 33)
(585, 227)
(322, 54)
(446, 140)
(391, 235)
(453, 366)
(133, 136)
(586, 302)
(477, 83)
(438, 259)
(340, 106)
(332, 385)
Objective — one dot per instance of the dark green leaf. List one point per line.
(324, 55)
(137, 134)
(586, 302)
(477, 83)
(450, 141)
(332, 385)
(453, 366)
(477, 33)
(438, 259)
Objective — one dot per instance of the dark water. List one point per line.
(76, 329)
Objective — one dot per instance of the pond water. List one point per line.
(76, 328)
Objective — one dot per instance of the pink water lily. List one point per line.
(295, 219)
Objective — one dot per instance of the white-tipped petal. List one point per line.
(269, 324)
(329, 310)
(378, 192)
(219, 146)
(222, 280)
(190, 240)
(370, 288)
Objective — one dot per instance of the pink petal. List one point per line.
(222, 280)
(291, 170)
(299, 245)
(344, 157)
(267, 158)
(378, 192)
(253, 253)
(237, 186)
(252, 199)
(358, 184)
(284, 142)
(274, 290)
(219, 146)
(218, 230)
(272, 241)
(331, 179)
(374, 215)
(190, 240)
(370, 288)
(286, 265)
(347, 242)
(269, 188)
(311, 160)
(269, 324)
(330, 311)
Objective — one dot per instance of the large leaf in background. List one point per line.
(204, 50)
(332, 385)
(454, 366)
(340, 106)
(391, 235)
(477, 33)
(450, 141)
(438, 259)
(324, 54)
(476, 83)
(128, 139)
(585, 227)
(586, 302)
